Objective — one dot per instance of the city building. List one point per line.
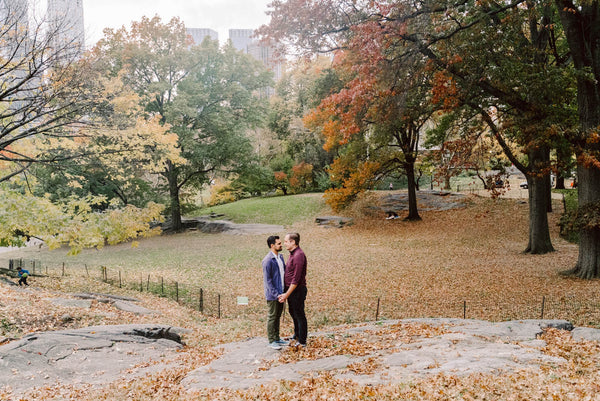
(65, 19)
(243, 40)
(15, 26)
(198, 34)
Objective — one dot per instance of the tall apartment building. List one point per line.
(65, 19)
(15, 24)
(242, 40)
(198, 34)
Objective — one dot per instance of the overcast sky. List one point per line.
(220, 15)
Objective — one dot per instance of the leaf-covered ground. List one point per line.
(471, 256)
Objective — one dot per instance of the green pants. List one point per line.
(275, 311)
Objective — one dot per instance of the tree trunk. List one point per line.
(560, 182)
(582, 30)
(539, 183)
(413, 212)
(588, 262)
(447, 183)
(172, 176)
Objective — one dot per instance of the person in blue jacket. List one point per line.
(23, 274)
(273, 271)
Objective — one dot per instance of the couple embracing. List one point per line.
(285, 281)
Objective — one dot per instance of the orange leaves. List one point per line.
(301, 176)
(354, 180)
(280, 176)
(445, 91)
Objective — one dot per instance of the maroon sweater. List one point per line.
(295, 269)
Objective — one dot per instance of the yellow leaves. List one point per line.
(75, 223)
(354, 179)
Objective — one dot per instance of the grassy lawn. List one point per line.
(284, 210)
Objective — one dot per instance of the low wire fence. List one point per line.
(581, 311)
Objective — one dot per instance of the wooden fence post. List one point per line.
(544, 302)
(201, 302)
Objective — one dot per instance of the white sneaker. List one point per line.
(275, 345)
(282, 342)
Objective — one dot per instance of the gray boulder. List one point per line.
(93, 355)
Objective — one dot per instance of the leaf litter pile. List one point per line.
(466, 261)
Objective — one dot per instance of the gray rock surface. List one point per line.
(334, 221)
(72, 303)
(103, 354)
(126, 304)
(103, 297)
(586, 333)
(133, 308)
(95, 355)
(471, 346)
(427, 200)
(225, 226)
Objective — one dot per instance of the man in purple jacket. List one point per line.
(295, 287)
(273, 272)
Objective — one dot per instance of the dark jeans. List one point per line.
(275, 310)
(23, 280)
(296, 307)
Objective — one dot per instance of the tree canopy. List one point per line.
(208, 96)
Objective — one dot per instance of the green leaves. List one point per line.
(76, 222)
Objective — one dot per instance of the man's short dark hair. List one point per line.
(271, 240)
(294, 237)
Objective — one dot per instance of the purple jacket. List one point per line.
(271, 277)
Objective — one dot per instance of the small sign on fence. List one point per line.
(242, 300)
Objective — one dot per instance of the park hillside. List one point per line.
(465, 262)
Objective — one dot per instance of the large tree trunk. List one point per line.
(172, 176)
(447, 183)
(413, 212)
(560, 182)
(582, 30)
(588, 263)
(539, 184)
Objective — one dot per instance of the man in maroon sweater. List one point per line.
(294, 281)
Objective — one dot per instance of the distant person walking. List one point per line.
(391, 186)
(295, 287)
(23, 274)
(273, 271)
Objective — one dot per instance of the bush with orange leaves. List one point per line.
(352, 181)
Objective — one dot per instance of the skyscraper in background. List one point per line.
(198, 34)
(242, 40)
(15, 25)
(65, 19)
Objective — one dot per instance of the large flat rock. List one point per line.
(93, 355)
(465, 347)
